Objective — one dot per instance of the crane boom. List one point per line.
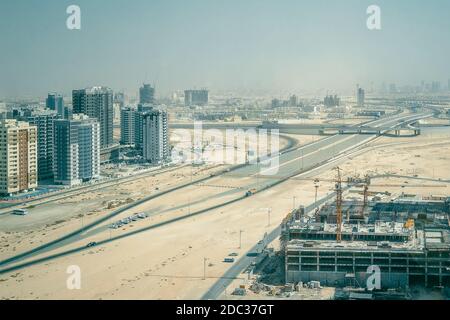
(338, 206)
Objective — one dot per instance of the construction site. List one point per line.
(341, 244)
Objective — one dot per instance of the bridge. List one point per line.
(403, 128)
(402, 131)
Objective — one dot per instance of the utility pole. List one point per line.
(269, 210)
(303, 155)
(316, 185)
(189, 197)
(240, 239)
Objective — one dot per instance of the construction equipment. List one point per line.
(338, 205)
(366, 199)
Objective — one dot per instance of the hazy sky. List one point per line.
(277, 45)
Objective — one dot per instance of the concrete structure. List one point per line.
(97, 102)
(18, 156)
(110, 154)
(408, 243)
(196, 97)
(146, 94)
(155, 136)
(127, 123)
(77, 150)
(43, 120)
(385, 131)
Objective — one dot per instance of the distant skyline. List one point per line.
(225, 45)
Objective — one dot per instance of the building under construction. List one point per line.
(409, 241)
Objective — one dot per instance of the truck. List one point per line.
(250, 192)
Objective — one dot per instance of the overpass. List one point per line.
(395, 132)
(402, 128)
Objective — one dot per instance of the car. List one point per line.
(228, 260)
(125, 221)
(91, 244)
(233, 254)
(134, 218)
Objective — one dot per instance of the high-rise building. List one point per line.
(43, 120)
(56, 102)
(77, 150)
(155, 136)
(138, 125)
(196, 97)
(393, 88)
(332, 101)
(119, 103)
(97, 102)
(293, 101)
(146, 94)
(360, 97)
(435, 86)
(18, 156)
(127, 125)
(4, 110)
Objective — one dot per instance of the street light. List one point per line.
(316, 185)
(240, 238)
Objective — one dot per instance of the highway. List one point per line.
(292, 162)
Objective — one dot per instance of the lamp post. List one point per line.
(240, 239)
